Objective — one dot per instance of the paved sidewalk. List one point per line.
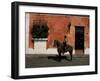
(42, 60)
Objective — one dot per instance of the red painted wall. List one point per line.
(58, 25)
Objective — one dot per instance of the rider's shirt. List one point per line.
(65, 40)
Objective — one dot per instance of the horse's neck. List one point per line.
(59, 43)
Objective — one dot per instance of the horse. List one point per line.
(60, 48)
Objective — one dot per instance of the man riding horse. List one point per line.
(63, 47)
(65, 42)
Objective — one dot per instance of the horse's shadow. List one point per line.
(59, 58)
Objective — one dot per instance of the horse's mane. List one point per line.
(61, 43)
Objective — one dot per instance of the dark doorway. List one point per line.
(79, 39)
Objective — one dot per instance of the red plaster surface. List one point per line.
(58, 25)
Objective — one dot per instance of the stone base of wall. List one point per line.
(40, 48)
(50, 51)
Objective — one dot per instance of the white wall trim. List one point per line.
(50, 51)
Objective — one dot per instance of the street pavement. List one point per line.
(43, 60)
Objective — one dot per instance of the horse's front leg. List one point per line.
(63, 53)
(70, 55)
(59, 54)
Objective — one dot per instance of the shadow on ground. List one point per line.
(43, 60)
(58, 59)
